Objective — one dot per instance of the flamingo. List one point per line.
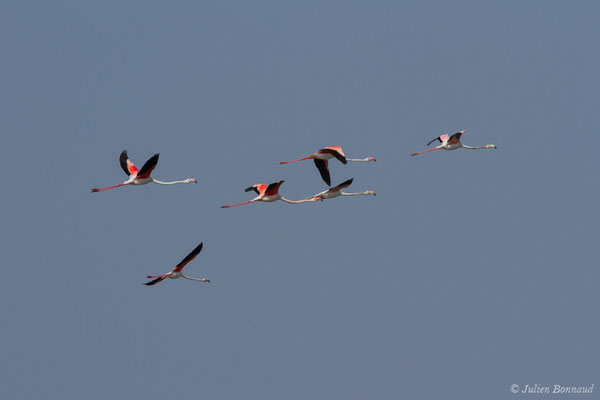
(176, 272)
(269, 194)
(142, 176)
(322, 155)
(337, 191)
(452, 143)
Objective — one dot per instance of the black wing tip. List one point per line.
(249, 189)
(348, 182)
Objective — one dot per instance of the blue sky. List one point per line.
(469, 272)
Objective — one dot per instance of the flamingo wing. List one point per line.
(259, 188)
(148, 167)
(342, 185)
(126, 164)
(323, 167)
(188, 258)
(155, 281)
(273, 188)
(337, 152)
(443, 138)
(455, 138)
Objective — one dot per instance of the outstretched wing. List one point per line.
(443, 139)
(259, 188)
(433, 140)
(126, 164)
(188, 258)
(155, 281)
(323, 167)
(455, 138)
(342, 185)
(273, 188)
(148, 167)
(337, 152)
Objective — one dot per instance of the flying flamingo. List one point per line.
(321, 156)
(142, 176)
(269, 194)
(452, 143)
(337, 191)
(176, 272)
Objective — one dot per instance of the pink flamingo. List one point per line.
(337, 191)
(321, 156)
(452, 143)
(142, 176)
(269, 194)
(176, 272)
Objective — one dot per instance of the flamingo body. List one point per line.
(141, 176)
(176, 272)
(337, 191)
(452, 143)
(269, 194)
(322, 156)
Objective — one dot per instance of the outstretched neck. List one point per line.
(361, 159)
(477, 148)
(357, 194)
(300, 201)
(173, 182)
(195, 279)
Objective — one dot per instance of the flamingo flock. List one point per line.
(270, 193)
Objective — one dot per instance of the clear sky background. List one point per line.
(469, 271)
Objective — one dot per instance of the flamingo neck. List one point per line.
(361, 159)
(195, 279)
(355, 194)
(170, 183)
(299, 201)
(475, 148)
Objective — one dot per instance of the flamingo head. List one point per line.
(371, 192)
(191, 180)
(205, 280)
(371, 159)
(490, 146)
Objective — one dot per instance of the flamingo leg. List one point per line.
(239, 204)
(426, 151)
(304, 158)
(94, 190)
